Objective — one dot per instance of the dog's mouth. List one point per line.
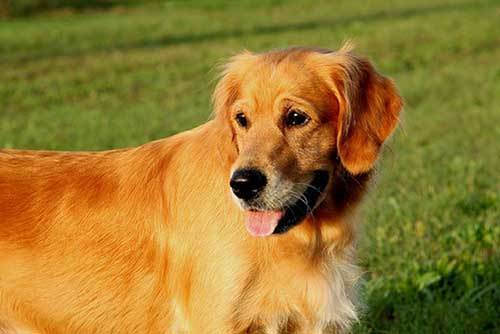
(264, 223)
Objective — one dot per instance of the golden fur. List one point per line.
(150, 240)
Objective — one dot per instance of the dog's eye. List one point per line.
(241, 119)
(295, 117)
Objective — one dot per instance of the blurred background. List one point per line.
(92, 75)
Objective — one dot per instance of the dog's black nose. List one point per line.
(247, 183)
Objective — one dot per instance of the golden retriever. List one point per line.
(241, 225)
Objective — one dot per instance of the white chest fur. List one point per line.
(314, 297)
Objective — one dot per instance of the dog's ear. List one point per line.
(227, 90)
(225, 94)
(369, 107)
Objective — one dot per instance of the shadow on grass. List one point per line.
(24, 8)
(460, 301)
(181, 39)
(309, 25)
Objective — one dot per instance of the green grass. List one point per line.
(124, 76)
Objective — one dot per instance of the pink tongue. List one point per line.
(262, 223)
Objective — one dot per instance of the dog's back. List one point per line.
(69, 234)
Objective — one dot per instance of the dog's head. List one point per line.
(294, 114)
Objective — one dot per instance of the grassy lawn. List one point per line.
(431, 227)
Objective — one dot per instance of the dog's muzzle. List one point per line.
(249, 184)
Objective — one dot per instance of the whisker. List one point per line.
(308, 186)
(301, 197)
